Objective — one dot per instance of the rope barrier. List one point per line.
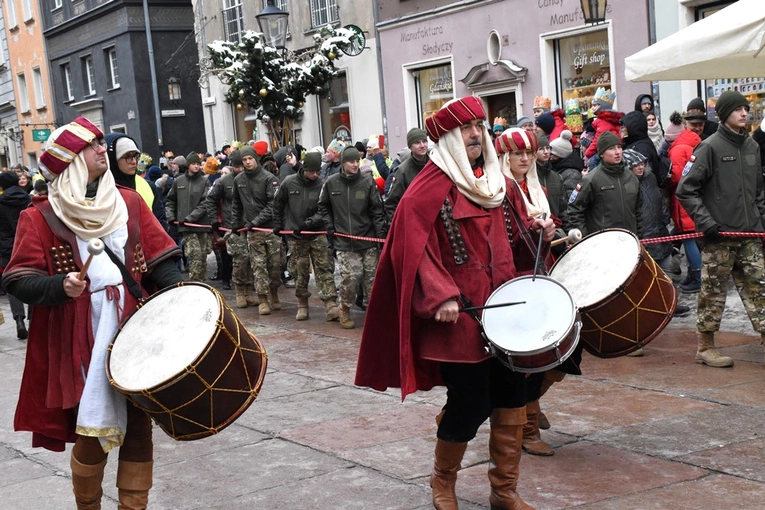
(286, 232)
(695, 235)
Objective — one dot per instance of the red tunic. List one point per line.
(417, 272)
(52, 382)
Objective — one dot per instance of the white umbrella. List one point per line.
(727, 44)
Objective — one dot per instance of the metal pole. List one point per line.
(380, 72)
(154, 90)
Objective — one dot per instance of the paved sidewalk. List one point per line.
(657, 432)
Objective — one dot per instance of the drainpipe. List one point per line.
(203, 40)
(380, 71)
(154, 90)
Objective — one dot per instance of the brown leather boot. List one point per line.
(532, 441)
(86, 484)
(550, 377)
(505, 439)
(443, 480)
(708, 355)
(302, 311)
(333, 311)
(241, 300)
(275, 303)
(263, 307)
(249, 295)
(345, 317)
(133, 484)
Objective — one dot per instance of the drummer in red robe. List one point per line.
(65, 394)
(460, 231)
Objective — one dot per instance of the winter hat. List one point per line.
(235, 158)
(523, 121)
(675, 127)
(454, 114)
(180, 161)
(312, 161)
(248, 151)
(605, 140)
(696, 104)
(192, 157)
(154, 173)
(260, 147)
(632, 158)
(8, 179)
(646, 100)
(65, 144)
(516, 139)
(561, 146)
(125, 145)
(546, 123)
(350, 154)
(729, 101)
(415, 135)
(543, 141)
(361, 146)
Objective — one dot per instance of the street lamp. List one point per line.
(594, 11)
(273, 24)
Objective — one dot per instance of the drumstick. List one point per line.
(486, 307)
(574, 236)
(539, 249)
(95, 247)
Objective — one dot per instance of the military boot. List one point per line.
(345, 317)
(275, 303)
(263, 307)
(241, 300)
(302, 311)
(707, 354)
(333, 311)
(249, 295)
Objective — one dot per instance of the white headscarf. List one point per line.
(537, 204)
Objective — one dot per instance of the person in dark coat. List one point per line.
(12, 202)
(567, 163)
(696, 110)
(634, 133)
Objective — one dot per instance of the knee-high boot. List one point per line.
(444, 478)
(550, 377)
(505, 439)
(86, 484)
(134, 479)
(532, 440)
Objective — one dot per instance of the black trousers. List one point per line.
(473, 391)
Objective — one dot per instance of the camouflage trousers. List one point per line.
(313, 249)
(196, 246)
(265, 259)
(743, 260)
(355, 267)
(236, 246)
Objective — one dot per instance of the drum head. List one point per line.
(595, 267)
(164, 337)
(540, 323)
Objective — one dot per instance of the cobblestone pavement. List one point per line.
(657, 432)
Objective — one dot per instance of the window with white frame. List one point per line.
(90, 75)
(37, 82)
(26, 9)
(57, 4)
(67, 73)
(21, 81)
(11, 20)
(233, 23)
(111, 66)
(323, 12)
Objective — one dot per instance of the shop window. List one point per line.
(584, 66)
(335, 112)
(434, 87)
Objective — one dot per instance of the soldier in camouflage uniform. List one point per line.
(254, 191)
(187, 193)
(350, 204)
(295, 208)
(722, 189)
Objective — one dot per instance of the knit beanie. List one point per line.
(561, 146)
(350, 154)
(260, 147)
(546, 123)
(632, 158)
(605, 140)
(235, 158)
(312, 161)
(415, 135)
(696, 104)
(523, 121)
(248, 150)
(542, 141)
(675, 127)
(8, 179)
(729, 101)
(192, 158)
(179, 160)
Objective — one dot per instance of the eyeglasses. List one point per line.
(130, 156)
(545, 149)
(97, 144)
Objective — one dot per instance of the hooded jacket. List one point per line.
(607, 120)
(143, 186)
(638, 140)
(285, 169)
(639, 99)
(560, 126)
(680, 153)
(570, 171)
(12, 202)
(654, 216)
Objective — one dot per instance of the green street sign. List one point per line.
(40, 135)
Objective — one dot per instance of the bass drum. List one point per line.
(185, 358)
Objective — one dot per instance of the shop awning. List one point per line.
(727, 44)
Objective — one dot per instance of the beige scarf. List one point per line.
(451, 157)
(537, 204)
(88, 219)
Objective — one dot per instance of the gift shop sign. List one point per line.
(589, 53)
(564, 12)
(429, 38)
